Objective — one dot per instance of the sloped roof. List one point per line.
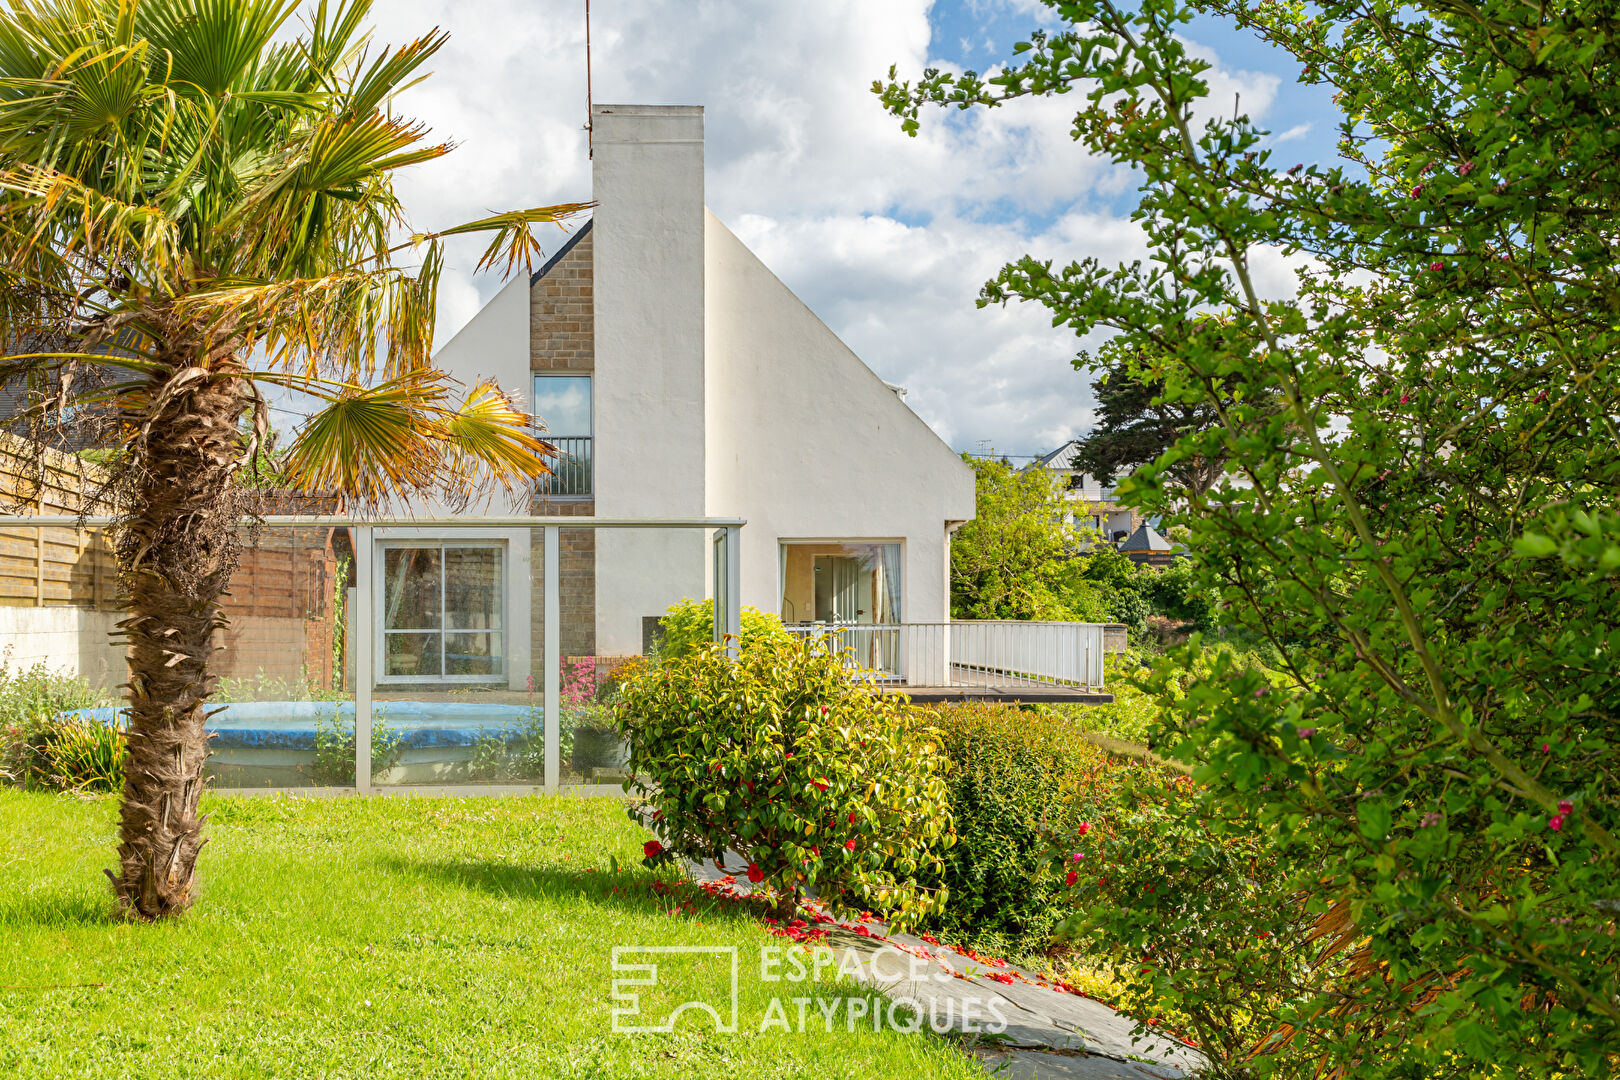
(535, 277)
(1059, 458)
(1145, 538)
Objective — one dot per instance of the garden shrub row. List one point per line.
(1019, 779)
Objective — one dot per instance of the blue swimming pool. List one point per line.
(291, 725)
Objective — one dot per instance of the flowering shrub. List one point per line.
(779, 755)
(1018, 777)
(1188, 916)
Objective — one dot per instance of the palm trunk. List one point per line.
(176, 548)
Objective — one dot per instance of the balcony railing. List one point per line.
(988, 654)
(571, 468)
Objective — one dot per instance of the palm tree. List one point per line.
(197, 202)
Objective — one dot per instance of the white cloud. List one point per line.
(887, 238)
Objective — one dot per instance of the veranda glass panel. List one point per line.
(286, 664)
(458, 704)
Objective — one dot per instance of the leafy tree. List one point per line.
(1136, 425)
(1009, 561)
(1428, 515)
(202, 206)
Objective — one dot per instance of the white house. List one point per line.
(1093, 504)
(679, 379)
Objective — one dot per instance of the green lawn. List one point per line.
(381, 938)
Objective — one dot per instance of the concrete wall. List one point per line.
(69, 640)
(807, 443)
(648, 289)
(264, 656)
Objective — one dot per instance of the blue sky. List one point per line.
(888, 239)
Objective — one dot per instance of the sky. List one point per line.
(887, 238)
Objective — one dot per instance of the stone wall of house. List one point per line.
(562, 327)
(562, 338)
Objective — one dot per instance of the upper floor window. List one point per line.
(562, 404)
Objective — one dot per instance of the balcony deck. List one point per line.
(989, 660)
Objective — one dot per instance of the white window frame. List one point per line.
(785, 542)
(380, 587)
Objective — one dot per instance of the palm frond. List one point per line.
(489, 436)
(514, 233)
(369, 444)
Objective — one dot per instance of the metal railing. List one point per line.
(988, 654)
(571, 468)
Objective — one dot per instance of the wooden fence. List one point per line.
(282, 600)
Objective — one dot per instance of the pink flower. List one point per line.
(1546, 748)
(1078, 856)
(1416, 191)
(1565, 806)
(1465, 168)
(1556, 822)
(1437, 266)
(1405, 398)
(1306, 732)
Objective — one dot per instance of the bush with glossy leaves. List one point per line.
(783, 756)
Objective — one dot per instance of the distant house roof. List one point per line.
(1061, 458)
(1145, 538)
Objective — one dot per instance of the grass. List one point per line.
(388, 938)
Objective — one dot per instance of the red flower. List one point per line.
(850, 844)
(1085, 827)
(755, 874)
(750, 784)
(651, 848)
(852, 817)
(1072, 878)
(1417, 191)
(1565, 806)
(1437, 266)
(820, 785)
(1556, 822)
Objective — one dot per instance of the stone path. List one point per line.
(1050, 1031)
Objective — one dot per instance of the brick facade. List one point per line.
(562, 337)
(562, 319)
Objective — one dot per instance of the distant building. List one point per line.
(1093, 504)
(1145, 547)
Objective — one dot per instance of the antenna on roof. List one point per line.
(590, 135)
